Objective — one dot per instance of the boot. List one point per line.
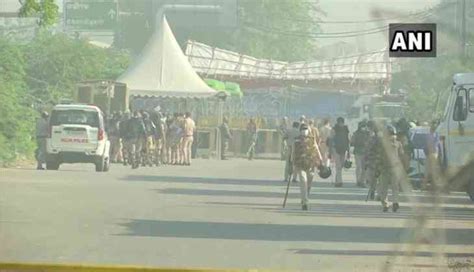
(395, 207)
(372, 195)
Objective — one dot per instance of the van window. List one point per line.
(471, 100)
(75, 117)
(461, 105)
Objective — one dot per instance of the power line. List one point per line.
(439, 6)
(344, 34)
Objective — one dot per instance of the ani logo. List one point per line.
(412, 40)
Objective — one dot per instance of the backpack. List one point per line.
(341, 139)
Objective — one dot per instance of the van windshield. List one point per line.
(75, 117)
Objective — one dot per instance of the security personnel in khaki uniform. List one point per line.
(305, 157)
(325, 133)
(188, 137)
(148, 145)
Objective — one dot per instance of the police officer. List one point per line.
(226, 136)
(388, 156)
(290, 137)
(325, 134)
(305, 157)
(188, 137)
(114, 136)
(136, 134)
(252, 136)
(159, 138)
(340, 148)
(148, 144)
(283, 129)
(124, 137)
(371, 157)
(42, 132)
(359, 141)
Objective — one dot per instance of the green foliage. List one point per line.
(38, 75)
(16, 118)
(46, 10)
(263, 29)
(428, 80)
(57, 63)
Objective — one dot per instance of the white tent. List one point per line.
(163, 70)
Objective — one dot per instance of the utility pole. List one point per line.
(463, 31)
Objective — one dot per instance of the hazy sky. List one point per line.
(362, 10)
(344, 10)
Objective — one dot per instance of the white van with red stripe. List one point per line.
(77, 135)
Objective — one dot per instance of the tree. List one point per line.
(57, 63)
(46, 10)
(16, 117)
(40, 73)
(428, 80)
(267, 28)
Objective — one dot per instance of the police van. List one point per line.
(77, 135)
(456, 128)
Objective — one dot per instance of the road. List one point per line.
(214, 214)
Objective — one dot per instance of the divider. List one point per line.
(36, 267)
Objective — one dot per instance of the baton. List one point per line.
(288, 186)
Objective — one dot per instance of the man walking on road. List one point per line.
(148, 144)
(226, 136)
(306, 156)
(124, 137)
(325, 134)
(359, 141)
(252, 136)
(42, 131)
(188, 137)
(371, 157)
(283, 130)
(388, 157)
(290, 138)
(136, 134)
(340, 148)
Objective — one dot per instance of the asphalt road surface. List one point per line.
(214, 214)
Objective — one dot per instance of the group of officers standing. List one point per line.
(379, 151)
(147, 138)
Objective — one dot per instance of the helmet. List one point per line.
(391, 130)
(324, 172)
(347, 164)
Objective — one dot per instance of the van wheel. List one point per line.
(470, 189)
(52, 165)
(100, 165)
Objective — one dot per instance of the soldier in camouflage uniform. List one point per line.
(371, 160)
(384, 162)
(305, 157)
